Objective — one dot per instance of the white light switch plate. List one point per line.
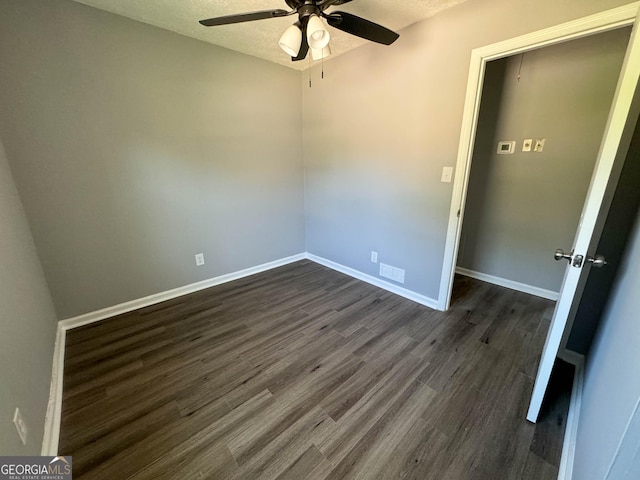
(526, 145)
(447, 174)
(539, 145)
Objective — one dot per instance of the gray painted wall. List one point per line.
(626, 463)
(612, 384)
(27, 325)
(134, 148)
(522, 206)
(384, 121)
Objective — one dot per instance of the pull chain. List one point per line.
(520, 69)
(309, 70)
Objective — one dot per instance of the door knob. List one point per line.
(559, 255)
(598, 261)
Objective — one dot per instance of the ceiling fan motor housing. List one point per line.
(305, 10)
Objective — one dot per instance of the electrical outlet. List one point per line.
(199, 259)
(374, 256)
(21, 427)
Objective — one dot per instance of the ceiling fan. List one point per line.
(309, 30)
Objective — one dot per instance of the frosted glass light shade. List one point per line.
(291, 40)
(317, 36)
(320, 54)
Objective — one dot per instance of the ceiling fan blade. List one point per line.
(304, 46)
(244, 17)
(361, 27)
(327, 3)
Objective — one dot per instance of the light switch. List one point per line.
(526, 145)
(539, 145)
(447, 173)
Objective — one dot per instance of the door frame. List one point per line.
(582, 27)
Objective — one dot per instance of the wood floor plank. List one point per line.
(108, 364)
(279, 453)
(417, 455)
(349, 393)
(302, 372)
(370, 455)
(506, 439)
(355, 423)
(311, 465)
(446, 335)
(212, 461)
(297, 401)
(536, 468)
(498, 333)
(204, 431)
(159, 445)
(110, 445)
(457, 406)
(547, 440)
(117, 410)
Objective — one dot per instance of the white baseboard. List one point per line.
(125, 307)
(54, 406)
(565, 471)
(569, 356)
(403, 292)
(503, 282)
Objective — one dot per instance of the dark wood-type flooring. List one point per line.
(304, 373)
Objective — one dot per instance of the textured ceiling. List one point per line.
(260, 38)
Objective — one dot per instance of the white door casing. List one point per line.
(610, 156)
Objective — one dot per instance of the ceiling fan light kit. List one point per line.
(290, 40)
(319, 54)
(310, 31)
(317, 36)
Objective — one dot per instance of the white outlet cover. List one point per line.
(374, 256)
(21, 427)
(199, 259)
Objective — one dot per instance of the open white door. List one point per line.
(615, 143)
